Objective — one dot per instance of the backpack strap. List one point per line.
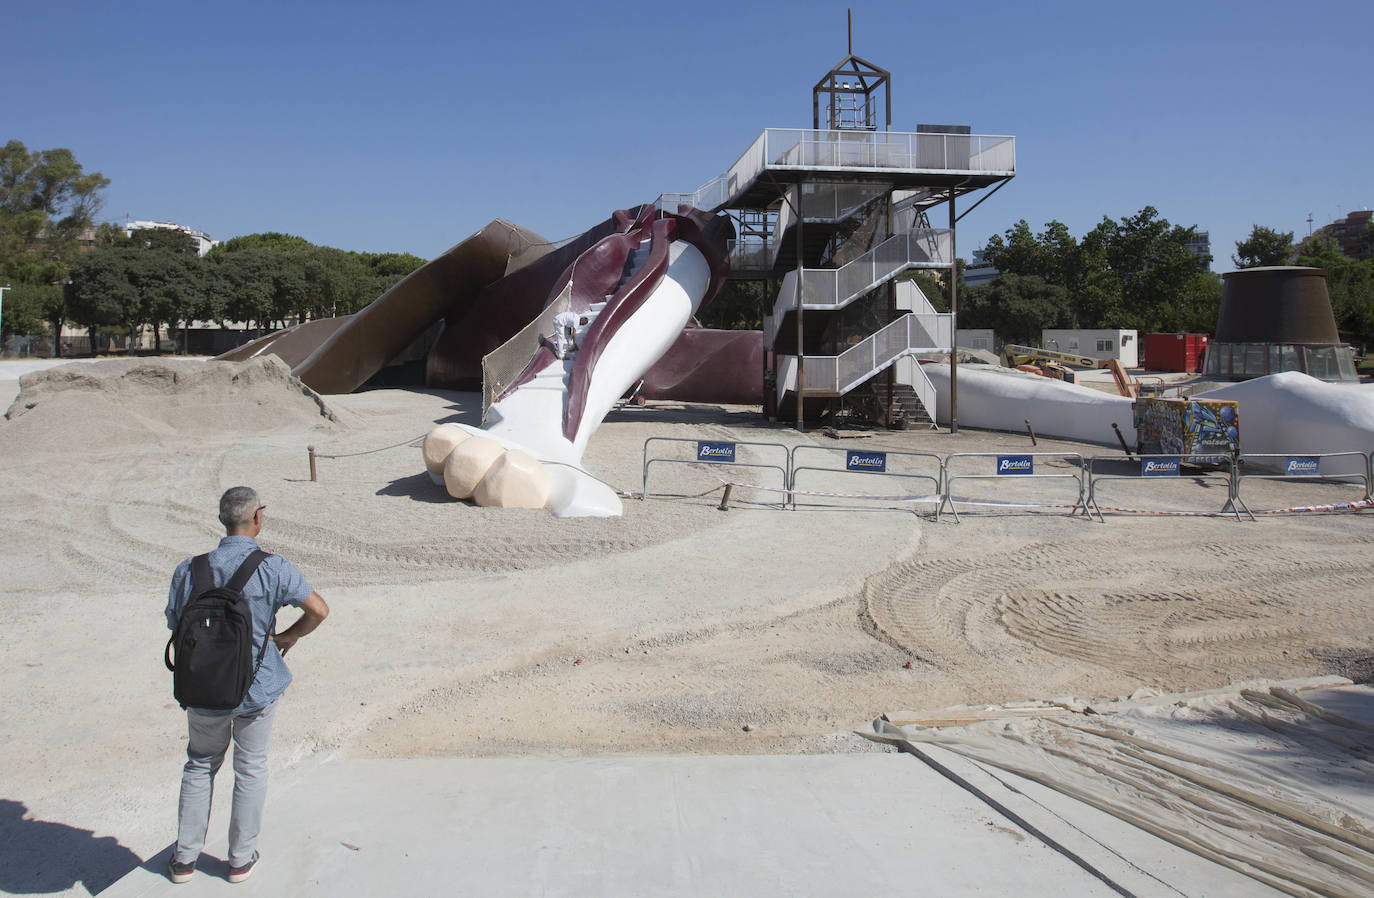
(246, 570)
(240, 580)
(201, 578)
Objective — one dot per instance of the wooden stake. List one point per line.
(725, 498)
(312, 463)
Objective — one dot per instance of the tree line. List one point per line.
(1139, 273)
(156, 277)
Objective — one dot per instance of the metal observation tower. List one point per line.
(837, 214)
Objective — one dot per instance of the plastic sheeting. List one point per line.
(1272, 781)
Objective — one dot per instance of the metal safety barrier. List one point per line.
(717, 452)
(1012, 465)
(872, 463)
(1306, 467)
(1144, 467)
(1087, 473)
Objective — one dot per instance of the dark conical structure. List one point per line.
(1274, 320)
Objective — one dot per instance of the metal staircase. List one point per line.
(831, 289)
(901, 402)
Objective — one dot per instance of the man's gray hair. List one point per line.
(237, 507)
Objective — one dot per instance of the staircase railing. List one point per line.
(911, 333)
(835, 288)
(914, 376)
(786, 148)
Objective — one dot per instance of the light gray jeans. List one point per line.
(251, 733)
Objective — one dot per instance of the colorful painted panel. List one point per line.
(1187, 427)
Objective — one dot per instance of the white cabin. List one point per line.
(1122, 345)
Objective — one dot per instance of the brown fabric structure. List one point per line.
(490, 286)
(501, 309)
(1276, 305)
(375, 335)
(292, 345)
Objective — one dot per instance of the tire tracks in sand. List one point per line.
(1169, 610)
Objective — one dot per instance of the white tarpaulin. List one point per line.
(1275, 781)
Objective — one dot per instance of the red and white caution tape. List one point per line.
(1335, 506)
(1000, 503)
(1165, 514)
(956, 501)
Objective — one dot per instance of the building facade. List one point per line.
(1352, 234)
(203, 242)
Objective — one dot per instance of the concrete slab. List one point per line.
(816, 825)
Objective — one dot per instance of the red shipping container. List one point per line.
(1175, 352)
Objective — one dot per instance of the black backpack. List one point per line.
(214, 640)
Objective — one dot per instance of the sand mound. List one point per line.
(115, 401)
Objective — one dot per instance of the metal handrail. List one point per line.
(789, 148)
(835, 288)
(925, 393)
(824, 373)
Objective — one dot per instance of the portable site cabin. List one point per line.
(1122, 345)
(975, 338)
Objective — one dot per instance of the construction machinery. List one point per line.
(1055, 364)
(1047, 362)
(1013, 355)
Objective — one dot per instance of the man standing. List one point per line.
(275, 583)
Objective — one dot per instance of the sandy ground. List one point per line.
(677, 628)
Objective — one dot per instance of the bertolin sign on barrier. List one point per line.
(1054, 466)
(865, 461)
(722, 453)
(1016, 464)
(1159, 467)
(1324, 467)
(1301, 466)
(895, 466)
(719, 452)
(1102, 468)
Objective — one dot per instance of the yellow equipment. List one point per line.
(1052, 363)
(1013, 355)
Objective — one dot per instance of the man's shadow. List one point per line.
(39, 857)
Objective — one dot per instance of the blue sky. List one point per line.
(408, 126)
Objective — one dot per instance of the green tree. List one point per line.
(28, 306)
(391, 264)
(1016, 306)
(243, 285)
(1264, 246)
(46, 201)
(101, 291)
(1134, 273)
(334, 282)
(1349, 283)
(740, 305)
(268, 240)
(1149, 261)
(171, 286)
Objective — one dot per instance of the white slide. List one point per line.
(531, 417)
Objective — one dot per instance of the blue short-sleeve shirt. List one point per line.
(276, 582)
